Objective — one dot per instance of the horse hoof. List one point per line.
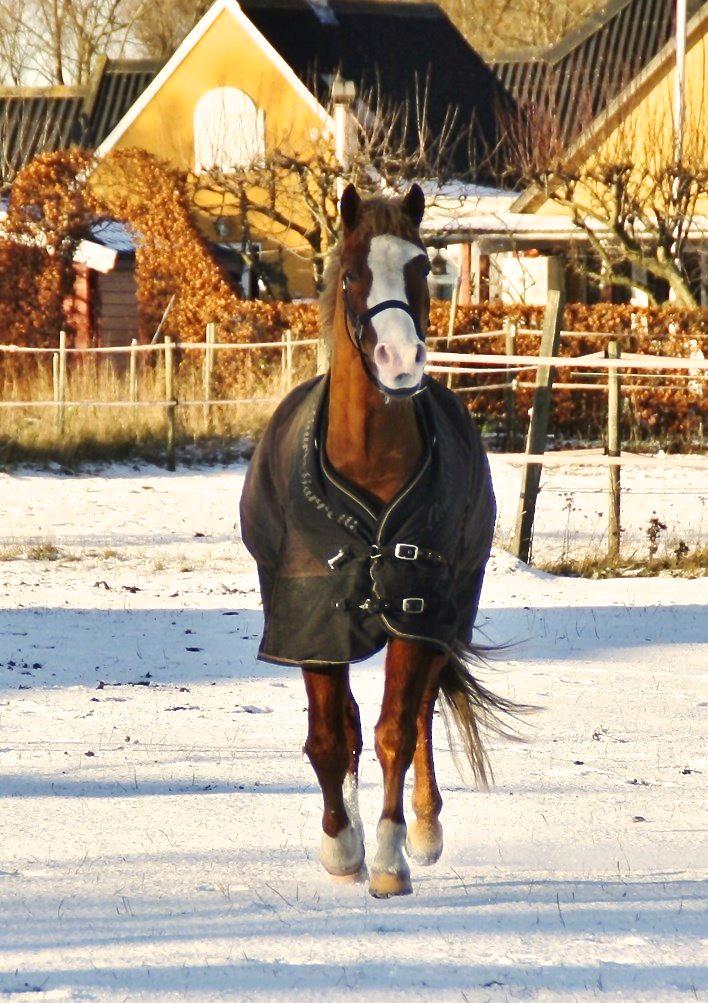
(425, 842)
(385, 884)
(342, 855)
(359, 877)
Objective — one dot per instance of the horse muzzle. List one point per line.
(399, 368)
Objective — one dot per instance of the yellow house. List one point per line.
(256, 77)
(224, 99)
(611, 87)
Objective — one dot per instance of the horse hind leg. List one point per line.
(395, 736)
(425, 836)
(342, 848)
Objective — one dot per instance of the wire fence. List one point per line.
(514, 370)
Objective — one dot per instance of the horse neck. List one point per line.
(375, 445)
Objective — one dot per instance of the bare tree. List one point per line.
(501, 26)
(160, 25)
(59, 41)
(289, 191)
(634, 195)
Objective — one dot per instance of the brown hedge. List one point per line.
(676, 413)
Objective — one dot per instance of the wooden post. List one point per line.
(614, 448)
(170, 401)
(55, 388)
(465, 269)
(61, 382)
(289, 358)
(210, 338)
(538, 427)
(510, 389)
(451, 321)
(133, 372)
(286, 361)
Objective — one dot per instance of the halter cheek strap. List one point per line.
(360, 320)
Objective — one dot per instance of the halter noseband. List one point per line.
(360, 320)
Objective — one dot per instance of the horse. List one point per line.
(369, 509)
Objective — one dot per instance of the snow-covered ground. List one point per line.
(159, 824)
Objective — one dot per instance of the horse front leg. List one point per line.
(425, 836)
(352, 732)
(329, 749)
(395, 740)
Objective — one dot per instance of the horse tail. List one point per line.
(468, 704)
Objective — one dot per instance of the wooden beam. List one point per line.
(538, 426)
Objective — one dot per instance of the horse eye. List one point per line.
(350, 276)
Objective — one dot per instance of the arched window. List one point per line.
(229, 131)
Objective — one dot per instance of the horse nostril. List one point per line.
(382, 356)
(421, 354)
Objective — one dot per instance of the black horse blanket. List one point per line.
(340, 573)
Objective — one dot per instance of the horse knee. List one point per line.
(394, 742)
(326, 751)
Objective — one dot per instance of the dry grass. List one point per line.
(88, 432)
(43, 551)
(693, 564)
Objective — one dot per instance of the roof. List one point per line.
(579, 77)
(118, 87)
(390, 46)
(43, 119)
(33, 123)
(398, 48)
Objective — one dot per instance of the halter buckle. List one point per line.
(406, 551)
(413, 604)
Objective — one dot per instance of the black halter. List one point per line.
(360, 320)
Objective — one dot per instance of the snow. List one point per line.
(160, 824)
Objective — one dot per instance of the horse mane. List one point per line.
(376, 216)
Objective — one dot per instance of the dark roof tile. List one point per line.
(577, 78)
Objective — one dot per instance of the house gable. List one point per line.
(223, 50)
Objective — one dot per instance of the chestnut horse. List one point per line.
(341, 453)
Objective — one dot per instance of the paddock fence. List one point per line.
(600, 371)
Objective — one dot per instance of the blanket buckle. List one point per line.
(413, 604)
(334, 561)
(406, 551)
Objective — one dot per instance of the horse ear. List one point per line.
(414, 204)
(349, 207)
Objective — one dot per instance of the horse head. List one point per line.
(384, 292)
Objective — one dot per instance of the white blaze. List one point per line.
(401, 363)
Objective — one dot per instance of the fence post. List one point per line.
(133, 372)
(289, 357)
(55, 388)
(510, 388)
(451, 321)
(210, 338)
(60, 382)
(170, 401)
(614, 448)
(286, 360)
(538, 427)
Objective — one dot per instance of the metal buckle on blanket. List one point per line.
(406, 551)
(414, 604)
(334, 561)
